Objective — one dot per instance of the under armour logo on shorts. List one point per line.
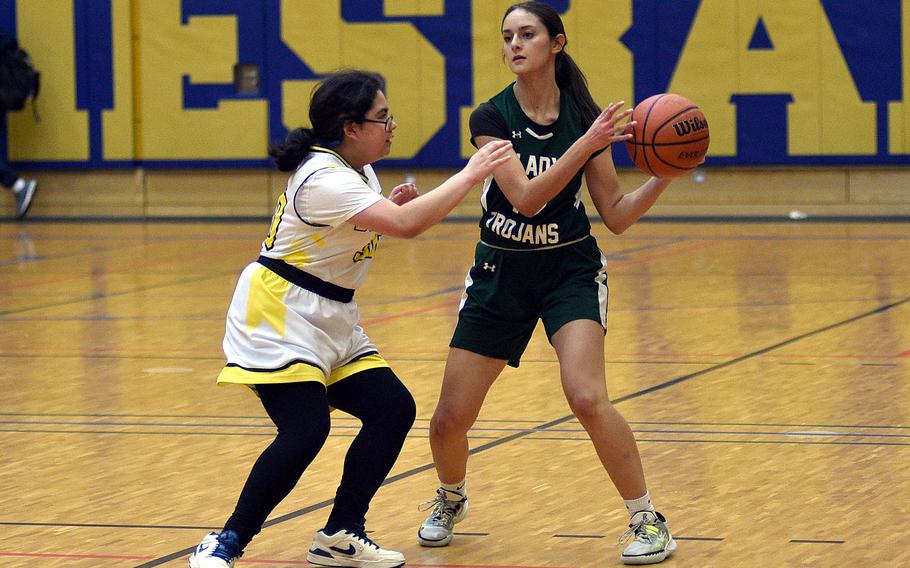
(490, 267)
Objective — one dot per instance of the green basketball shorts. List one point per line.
(507, 292)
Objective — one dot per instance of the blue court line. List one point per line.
(271, 428)
(479, 420)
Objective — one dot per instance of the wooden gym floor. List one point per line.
(765, 369)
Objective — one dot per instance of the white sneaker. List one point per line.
(653, 542)
(347, 548)
(216, 551)
(438, 528)
(24, 198)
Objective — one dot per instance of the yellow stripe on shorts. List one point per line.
(296, 373)
(265, 301)
(374, 361)
(299, 372)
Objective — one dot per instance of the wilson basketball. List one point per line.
(671, 137)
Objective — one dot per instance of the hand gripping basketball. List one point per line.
(669, 135)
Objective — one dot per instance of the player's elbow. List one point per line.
(616, 229)
(615, 226)
(528, 207)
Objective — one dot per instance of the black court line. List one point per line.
(478, 421)
(105, 526)
(799, 541)
(506, 439)
(747, 356)
(675, 537)
(764, 442)
(93, 297)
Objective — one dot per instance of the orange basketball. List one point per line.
(671, 137)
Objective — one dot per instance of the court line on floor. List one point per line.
(94, 297)
(219, 430)
(558, 421)
(762, 351)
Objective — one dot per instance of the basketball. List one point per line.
(670, 137)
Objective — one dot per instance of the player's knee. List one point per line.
(587, 404)
(302, 440)
(447, 423)
(395, 414)
(403, 412)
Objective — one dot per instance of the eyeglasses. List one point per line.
(387, 122)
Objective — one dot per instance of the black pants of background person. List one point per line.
(24, 190)
(301, 413)
(8, 175)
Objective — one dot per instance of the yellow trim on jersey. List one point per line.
(296, 373)
(265, 301)
(374, 361)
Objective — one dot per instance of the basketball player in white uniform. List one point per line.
(292, 332)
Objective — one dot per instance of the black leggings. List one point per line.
(301, 413)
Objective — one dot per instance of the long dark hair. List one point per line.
(341, 97)
(569, 77)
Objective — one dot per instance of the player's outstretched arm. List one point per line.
(422, 212)
(529, 196)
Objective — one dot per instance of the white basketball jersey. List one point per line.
(310, 230)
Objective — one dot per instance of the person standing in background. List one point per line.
(11, 88)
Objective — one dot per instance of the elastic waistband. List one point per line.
(307, 281)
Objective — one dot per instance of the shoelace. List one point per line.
(640, 530)
(361, 535)
(227, 549)
(444, 511)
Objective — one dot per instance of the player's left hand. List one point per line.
(403, 193)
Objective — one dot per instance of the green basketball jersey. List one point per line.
(563, 219)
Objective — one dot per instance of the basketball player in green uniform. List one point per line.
(537, 260)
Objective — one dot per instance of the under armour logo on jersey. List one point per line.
(516, 134)
(490, 267)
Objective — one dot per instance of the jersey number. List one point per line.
(276, 220)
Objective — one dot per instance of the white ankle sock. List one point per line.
(19, 185)
(643, 503)
(455, 491)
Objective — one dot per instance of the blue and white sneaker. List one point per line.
(351, 548)
(653, 542)
(217, 551)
